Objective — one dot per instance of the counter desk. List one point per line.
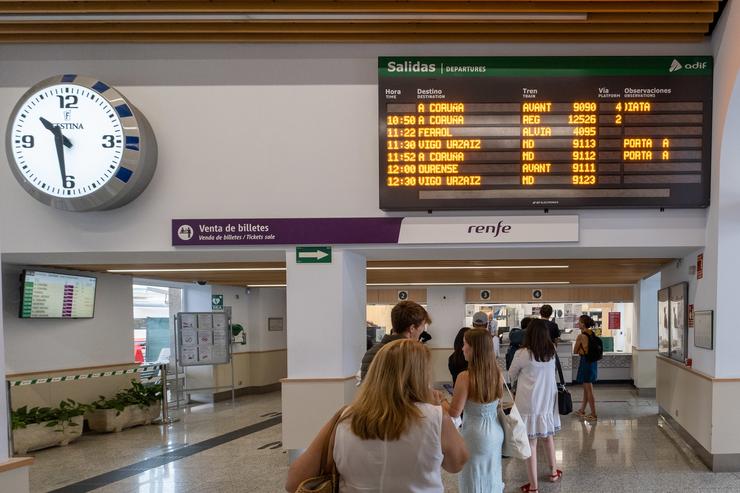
(612, 367)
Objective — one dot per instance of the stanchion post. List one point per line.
(165, 402)
(166, 419)
(8, 386)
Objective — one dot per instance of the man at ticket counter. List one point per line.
(480, 321)
(552, 327)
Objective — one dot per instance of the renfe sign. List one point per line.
(368, 230)
(498, 229)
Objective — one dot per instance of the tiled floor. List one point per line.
(628, 450)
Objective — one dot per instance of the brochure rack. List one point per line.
(203, 338)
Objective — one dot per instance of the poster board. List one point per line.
(664, 330)
(204, 338)
(679, 321)
(704, 329)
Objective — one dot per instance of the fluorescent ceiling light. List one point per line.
(401, 284)
(281, 269)
(470, 267)
(224, 269)
(518, 283)
(293, 16)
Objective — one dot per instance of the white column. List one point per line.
(3, 394)
(13, 472)
(326, 341)
(446, 306)
(645, 334)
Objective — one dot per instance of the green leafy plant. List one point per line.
(137, 395)
(58, 417)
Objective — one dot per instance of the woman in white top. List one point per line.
(536, 399)
(395, 436)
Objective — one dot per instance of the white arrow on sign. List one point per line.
(318, 255)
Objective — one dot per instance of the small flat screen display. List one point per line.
(52, 295)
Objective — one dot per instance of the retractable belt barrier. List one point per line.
(85, 376)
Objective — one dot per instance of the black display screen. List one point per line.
(482, 133)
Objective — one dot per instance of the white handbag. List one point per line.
(516, 441)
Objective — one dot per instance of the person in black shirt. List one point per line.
(457, 362)
(552, 327)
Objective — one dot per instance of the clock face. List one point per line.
(81, 124)
(76, 144)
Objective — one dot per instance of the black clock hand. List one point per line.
(58, 142)
(50, 127)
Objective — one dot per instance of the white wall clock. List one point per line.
(77, 144)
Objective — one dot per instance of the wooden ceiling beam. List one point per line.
(165, 37)
(337, 28)
(354, 6)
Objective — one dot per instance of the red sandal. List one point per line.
(526, 488)
(554, 478)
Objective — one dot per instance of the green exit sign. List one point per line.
(313, 255)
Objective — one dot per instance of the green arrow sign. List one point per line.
(313, 255)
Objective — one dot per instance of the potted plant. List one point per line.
(237, 329)
(137, 405)
(41, 427)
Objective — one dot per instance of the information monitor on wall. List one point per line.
(482, 133)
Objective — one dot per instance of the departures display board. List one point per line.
(483, 133)
(52, 295)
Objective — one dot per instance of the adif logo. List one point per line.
(676, 65)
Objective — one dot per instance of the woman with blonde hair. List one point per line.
(395, 436)
(477, 392)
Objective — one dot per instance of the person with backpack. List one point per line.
(516, 339)
(591, 349)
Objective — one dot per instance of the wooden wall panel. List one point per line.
(390, 296)
(575, 294)
(240, 21)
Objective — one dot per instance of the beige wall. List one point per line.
(440, 372)
(15, 479)
(725, 405)
(326, 397)
(253, 369)
(85, 391)
(687, 396)
(705, 407)
(643, 367)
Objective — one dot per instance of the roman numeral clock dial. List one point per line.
(77, 144)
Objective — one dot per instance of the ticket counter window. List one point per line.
(614, 321)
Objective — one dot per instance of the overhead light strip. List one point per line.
(280, 269)
(469, 267)
(224, 269)
(518, 283)
(291, 16)
(403, 284)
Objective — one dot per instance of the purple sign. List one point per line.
(199, 232)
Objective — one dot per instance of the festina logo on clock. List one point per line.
(75, 143)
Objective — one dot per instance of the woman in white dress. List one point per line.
(533, 368)
(394, 437)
